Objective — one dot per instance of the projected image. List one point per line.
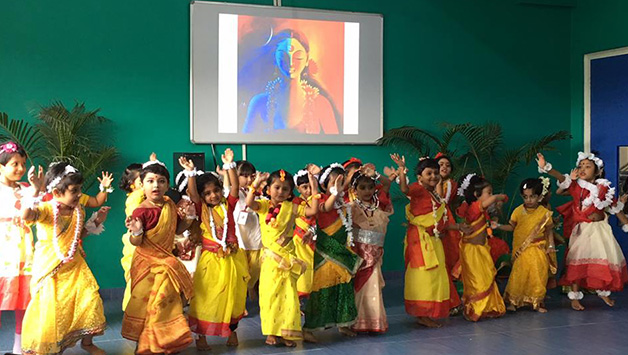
(291, 76)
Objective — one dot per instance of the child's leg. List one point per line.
(17, 341)
(201, 343)
(233, 337)
(428, 322)
(575, 296)
(604, 295)
(88, 345)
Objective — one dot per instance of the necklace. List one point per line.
(437, 201)
(77, 232)
(346, 220)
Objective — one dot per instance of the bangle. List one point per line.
(572, 295)
(566, 183)
(625, 228)
(546, 169)
(315, 197)
(189, 173)
(252, 189)
(107, 189)
(334, 191)
(138, 233)
(227, 166)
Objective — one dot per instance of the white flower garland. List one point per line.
(64, 259)
(327, 171)
(299, 173)
(546, 184)
(69, 169)
(593, 198)
(449, 188)
(435, 213)
(346, 221)
(152, 162)
(590, 156)
(465, 184)
(225, 220)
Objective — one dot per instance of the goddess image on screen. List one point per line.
(291, 99)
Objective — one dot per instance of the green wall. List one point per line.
(448, 60)
(596, 26)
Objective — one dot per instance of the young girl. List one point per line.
(332, 300)
(428, 291)
(16, 243)
(221, 276)
(594, 259)
(279, 300)
(154, 315)
(480, 296)
(370, 221)
(533, 239)
(248, 226)
(304, 233)
(446, 189)
(65, 305)
(131, 184)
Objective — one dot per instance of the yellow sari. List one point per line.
(65, 305)
(220, 282)
(154, 315)
(528, 279)
(132, 201)
(278, 297)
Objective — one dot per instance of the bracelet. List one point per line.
(625, 228)
(546, 169)
(572, 295)
(252, 189)
(107, 189)
(195, 218)
(190, 173)
(227, 166)
(315, 197)
(334, 191)
(138, 233)
(565, 184)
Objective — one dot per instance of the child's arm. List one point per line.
(492, 199)
(401, 162)
(510, 227)
(546, 167)
(312, 209)
(36, 179)
(250, 196)
(135, 226)
(187, 215)
(188, 166)
(229, 166)
(105, 188)
(329, 203)
(385, 181)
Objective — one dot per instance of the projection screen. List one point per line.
(263, 74)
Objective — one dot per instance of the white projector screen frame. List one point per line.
(221, 113)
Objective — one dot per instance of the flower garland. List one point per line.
(593, 198)
(589, 156)
(449, 188)
(465, 184)
(346, 221)
(435, 213)
(64, 259)
(369, 208)
(225, 221)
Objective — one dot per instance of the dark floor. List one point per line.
(597, 330)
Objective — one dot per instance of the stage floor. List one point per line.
(597, 330)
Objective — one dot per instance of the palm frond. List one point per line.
(506, 167)
(414, 138)
(543, 144)
(21, 132)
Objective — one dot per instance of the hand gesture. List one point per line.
(101, 215)
(574, 173)
(623, 199)
(260, 178)
(465, 228)
(185, 209)
(219, 170)
(313, 183)
(308, 237)
(152, 157)
(106, 180)
(36, 179)
(540, 160)
(134, 225)
(400, 160)
(368, 170)
(227, 156)
(313, 169)
(390, 172)
(186, 164)
(338, 182)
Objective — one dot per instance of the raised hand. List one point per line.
(36, 179)
(134, 225)
(260, 178)
(313, 183)
(400, 160)
(101, 215)
(623, 199)
(227, 156)
(313, 169)
(390, 172)
(540, 160)
(186, 164)
(574, 173)
(338, 182)
(106, 180)
(152, 157)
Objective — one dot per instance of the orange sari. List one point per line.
(154, 315)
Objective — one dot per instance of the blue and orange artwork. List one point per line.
(290, 75)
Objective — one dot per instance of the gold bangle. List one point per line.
(251, 188)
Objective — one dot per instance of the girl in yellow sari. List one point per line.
(533, 238)
(130, 182)
(304, 233)
(154, 315)
(278, 297)
(65, 305)
(221, 277)
(480, 296)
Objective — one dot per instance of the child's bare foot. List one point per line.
(309, 337)
(233, 339)
(609, 302)
(246, 313)
(428, 322)
(201, 344)
(541, 309)
(91, 348)
(289, 343)
(346, 331)
(271, 340)
(576, 305)
(511, 308)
